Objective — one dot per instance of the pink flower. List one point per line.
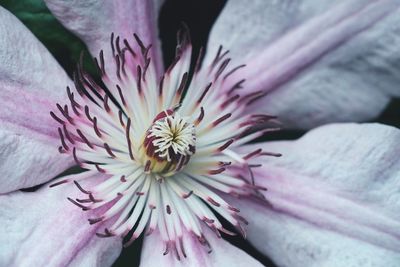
(165, 164)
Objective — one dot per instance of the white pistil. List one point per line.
(173, 132)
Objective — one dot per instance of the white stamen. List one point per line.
(161, 160)
(173, 132)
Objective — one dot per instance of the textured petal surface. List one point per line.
(334, 199)
(43, 228)
(31, 82)
(94, 21)
(222, 254)
(317, 61)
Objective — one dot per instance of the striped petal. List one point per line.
(94, 21)
(43, 228)
(31, 81)
(315, 61)
(334, 199)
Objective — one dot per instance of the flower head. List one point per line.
(164, 143)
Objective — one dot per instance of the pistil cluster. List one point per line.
(169, 143)
(166, 158)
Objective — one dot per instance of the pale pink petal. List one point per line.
(222, 254)
(43, 228)
(334, 199)
(317, 61)
(31, 82)
(97, 253)
(94, 21)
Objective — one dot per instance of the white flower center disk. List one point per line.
(158, 160)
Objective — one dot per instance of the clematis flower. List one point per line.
(164, 151)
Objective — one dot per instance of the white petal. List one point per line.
(43, 228)
(334, 199)
(31, 82)
(94, 21)
(318, 61)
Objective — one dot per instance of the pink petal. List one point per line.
(222, 254)
(43, 228)
(31, 82)
(334, 199)
(317, 61)
(94, 21)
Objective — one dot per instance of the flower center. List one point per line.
(169, 143)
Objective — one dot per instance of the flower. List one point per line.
(337, 184)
